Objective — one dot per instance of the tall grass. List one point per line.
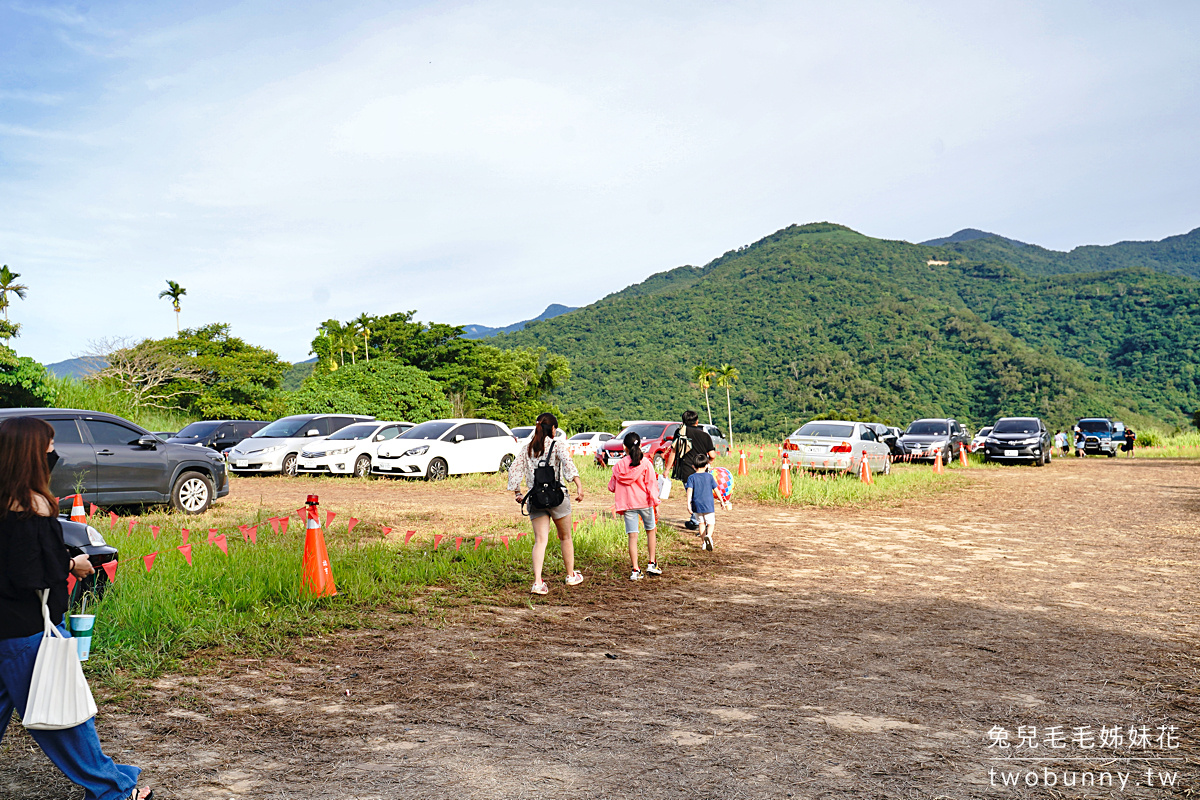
(1154, 443)
(74, 393)
(251, 601)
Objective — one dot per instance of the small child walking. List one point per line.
(701, 488)
(635, 485)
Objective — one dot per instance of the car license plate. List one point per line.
(813, 448)
(241, 463)
(1010, 453)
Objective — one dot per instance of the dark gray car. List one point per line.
(924, 437)
(115, 462)
(217, 434)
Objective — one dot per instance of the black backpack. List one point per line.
(546, 491)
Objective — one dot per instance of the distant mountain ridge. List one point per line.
(73, 368)
(969, 235)
(482, 331)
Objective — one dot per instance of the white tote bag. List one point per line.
(664, 487)
(59, 696)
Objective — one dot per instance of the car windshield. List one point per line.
(829, 430)
(427, 430)
(1094, 425)
(198, 429)
(1016, 426)
(580, 437)
(523, 431)
(984, 431)
(645, 430)
(926, 428)
(355, 432)
(284, 428)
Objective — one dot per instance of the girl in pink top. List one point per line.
(636, 487)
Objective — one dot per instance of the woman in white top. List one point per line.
(548, 446)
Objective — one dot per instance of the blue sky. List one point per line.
(289, 162)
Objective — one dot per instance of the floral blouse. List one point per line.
(523, 466)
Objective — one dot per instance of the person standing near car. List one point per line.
(33, 557)
(690, 441)
(1130, 440)
(547, 448)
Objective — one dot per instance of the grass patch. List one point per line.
(87, 396)
(1155, 444)
(250, 602)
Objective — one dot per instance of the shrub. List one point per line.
(380, 387)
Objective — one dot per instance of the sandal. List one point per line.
(136, 794)
(539, 588)
(575, 578)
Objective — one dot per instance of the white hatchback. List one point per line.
(586, 444)
(350, 451)
(442, 447)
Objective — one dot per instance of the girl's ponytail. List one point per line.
(633, 447)
(542, 430)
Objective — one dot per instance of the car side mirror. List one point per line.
(312, 432)
(459, 438)
(378, 437)
(148, 442)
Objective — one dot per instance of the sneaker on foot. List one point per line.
(636, 575)
(575, 579)
(539, 588)
(708, 543)
(653, 569)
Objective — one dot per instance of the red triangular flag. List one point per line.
(522, 533)
(95, 508)
(505, 540)
(149, 560)
(111, 568)
(154, 529)
(70, 583)
(478, 541)
(576, 526)
(386, 530)
(353, 522)
(112, 520)
(329, 515)
(186, 549)
(302, 513)
(212, 535)
(184, 533)
(457, 543)
(437, 539)
(132, 522)
(593, 517)
(408, 535)
(222, 543)
(283, 522)
(274, 523)
(253, 531)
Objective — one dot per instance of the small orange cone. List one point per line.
(962, 456)
(318, 577)
(937, 461)
(77, 514)
(785, 477)
(864, 469)
(742, 468)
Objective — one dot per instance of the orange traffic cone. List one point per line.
(937, 461)
(318, 577)
(962, 456)
(742, 468)
(864, 469)
(785, 477)
(77, 514)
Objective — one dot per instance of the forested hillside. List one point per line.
(822, 320)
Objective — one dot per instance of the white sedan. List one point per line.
(586, 444)
(442, 447)
(349, 451)
(837, 446)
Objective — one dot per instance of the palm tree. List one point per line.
(703, 374)
(173, 291)
(364, 327)
(726, 376)
(9, 285)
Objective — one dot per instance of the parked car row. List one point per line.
(656, 441)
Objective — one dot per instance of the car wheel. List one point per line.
(192, 493)
(887, 466)
(946, 456)
(362, 466)
(659, 464)
(437, 470)
(506, 462)
(1111, 454)
(289, 465)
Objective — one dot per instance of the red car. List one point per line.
(656, 441)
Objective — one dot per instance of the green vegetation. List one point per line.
(74, 393)
(382, 388)
(823, 321)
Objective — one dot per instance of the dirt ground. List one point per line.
(817, 653)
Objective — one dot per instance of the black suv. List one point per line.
(217, 434)
(1019, 439)
(115, 462)
(924, 437)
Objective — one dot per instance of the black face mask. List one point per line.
(51, 459)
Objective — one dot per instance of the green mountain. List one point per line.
(821, 320)
(1175, 255)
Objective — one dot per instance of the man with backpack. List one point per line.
(690, 441)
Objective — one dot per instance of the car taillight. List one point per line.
(790, 446)
(844, 447)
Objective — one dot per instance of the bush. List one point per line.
(381, 387)
(23, 381)
(1149, 437)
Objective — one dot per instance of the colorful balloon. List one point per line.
(724, 482)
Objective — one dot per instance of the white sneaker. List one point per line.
(636, 575)
(708, 543)
(653, 569)
(575, 579)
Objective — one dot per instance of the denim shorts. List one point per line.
(631, 519)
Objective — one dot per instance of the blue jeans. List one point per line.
(76, 751)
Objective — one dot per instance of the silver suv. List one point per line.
(274, 449)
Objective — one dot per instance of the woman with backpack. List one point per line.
(635, 485)
(545, 466)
